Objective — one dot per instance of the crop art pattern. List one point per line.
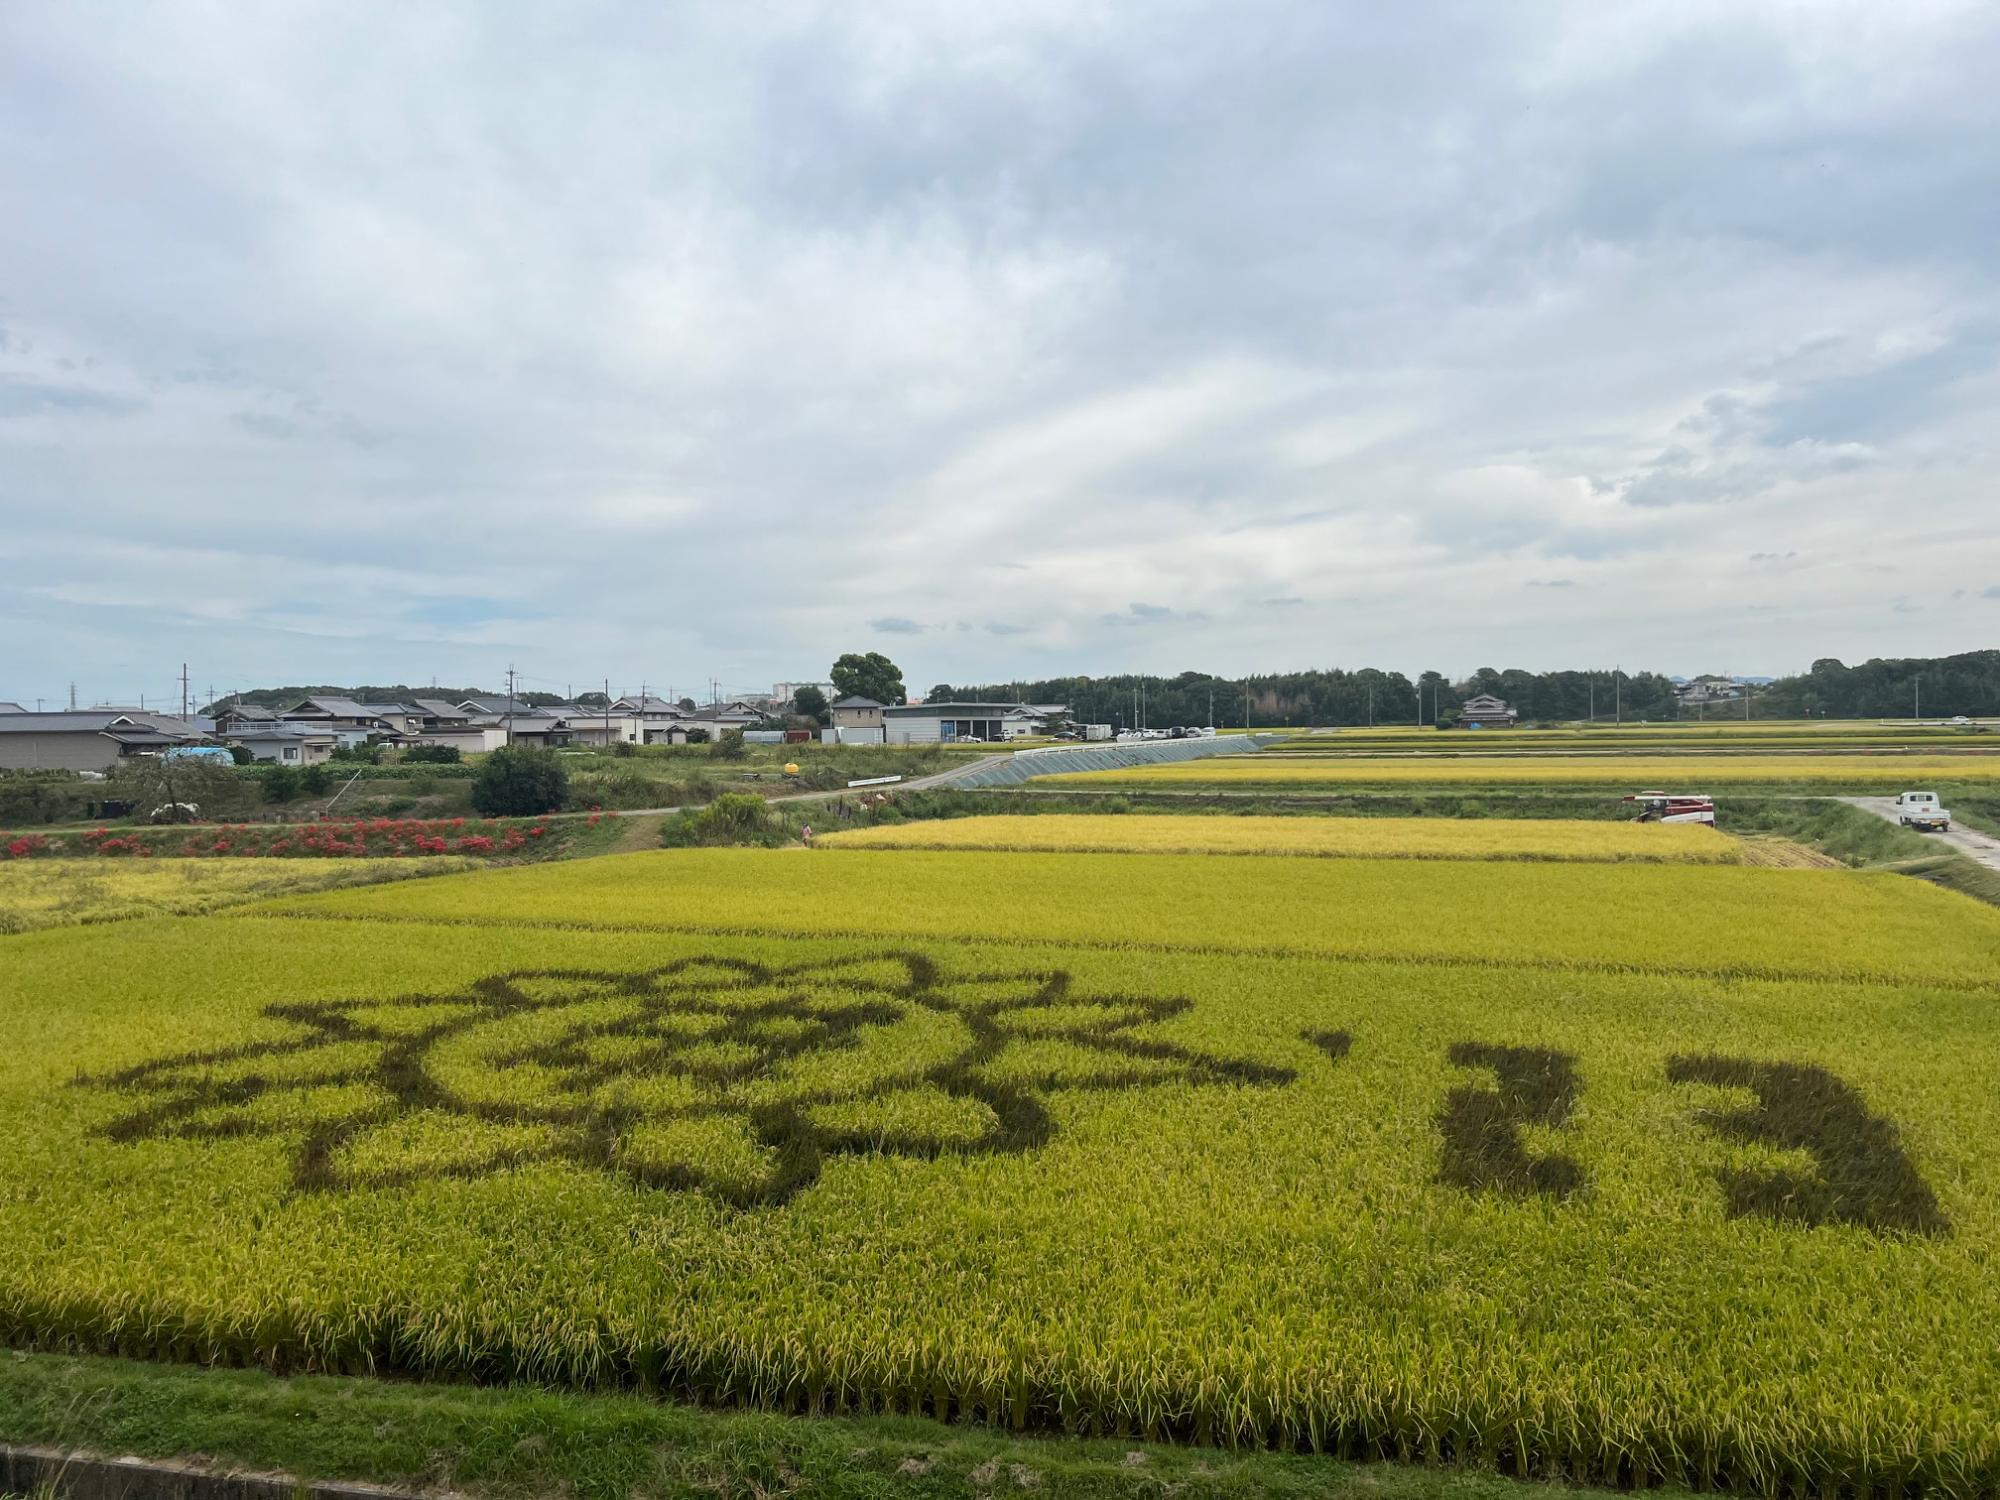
(726, 1076)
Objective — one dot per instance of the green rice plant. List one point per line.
(1546, 1188)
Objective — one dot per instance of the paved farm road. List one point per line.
(1974, 845)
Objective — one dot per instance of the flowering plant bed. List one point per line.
(345, 838)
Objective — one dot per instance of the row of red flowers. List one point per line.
(391, 838)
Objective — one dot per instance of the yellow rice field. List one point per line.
(1674, 773)
(1408, 838)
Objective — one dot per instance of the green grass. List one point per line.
(527, 1441)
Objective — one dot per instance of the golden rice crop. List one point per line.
(1404, 838)
(1698, 917)
(57, 892)
(1731, 1232)
(1639, 772)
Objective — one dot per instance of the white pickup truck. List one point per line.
(1923, 810)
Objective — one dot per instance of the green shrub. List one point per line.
(518, 781)
(281, 784)
(732, 818)
(314, 781)
(28, 797)
(431, 755)
(624, 788)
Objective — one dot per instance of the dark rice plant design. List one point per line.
(785, 1066)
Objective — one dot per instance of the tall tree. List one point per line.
(870, 675)
(809, 701)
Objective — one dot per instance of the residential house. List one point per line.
(351, 722)
(650, 720)
(495, 706)
(237, 716)
(287, 744)
(404, 721)
(439, 714)
(855, 721)
(1484, 711)
(89, 739)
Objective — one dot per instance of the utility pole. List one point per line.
(72, 697)
(1917, 701)
(1617, 698)
(510, 703)
(1371, 705)
(184, 690)
(607, 714)
(1593, 697)
(1246, 705)
(1211, 705)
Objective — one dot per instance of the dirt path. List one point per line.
(639, 831)
(1979, 847)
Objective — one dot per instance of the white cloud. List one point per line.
(369, 342)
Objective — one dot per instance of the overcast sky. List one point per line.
(667, 342)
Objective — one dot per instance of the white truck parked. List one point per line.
(1923, 810)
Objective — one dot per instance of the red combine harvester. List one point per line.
(1665, 807)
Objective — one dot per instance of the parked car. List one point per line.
(1923, 810)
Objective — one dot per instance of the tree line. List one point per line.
(1938, 687)
(1882, 687)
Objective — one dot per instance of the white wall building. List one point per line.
(951, 723)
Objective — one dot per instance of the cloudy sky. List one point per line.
(668, 342)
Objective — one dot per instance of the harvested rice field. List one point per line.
(1623, 1172)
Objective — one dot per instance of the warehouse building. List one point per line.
(948, 723)
(90, 740)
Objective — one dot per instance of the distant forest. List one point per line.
(1882, 688)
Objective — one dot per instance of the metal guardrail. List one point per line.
(1062, 760)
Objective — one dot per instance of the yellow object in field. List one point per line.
(791, 768)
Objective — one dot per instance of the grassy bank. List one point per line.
(522, 1441)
